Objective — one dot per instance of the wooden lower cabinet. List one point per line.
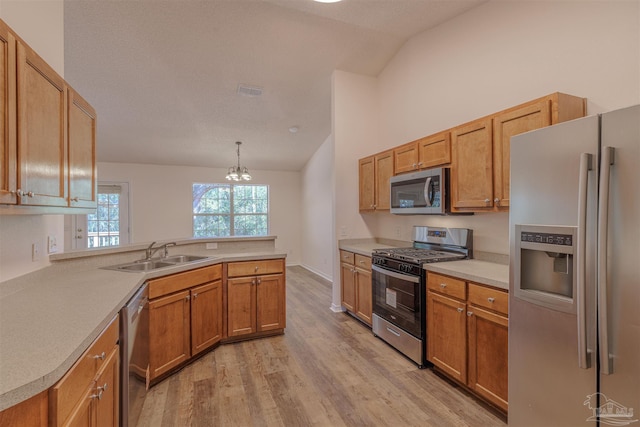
(185, 317)
(256, 302)
(88, 395)
(355, 284)
(467, 335)
(169, 330)
(33, 412)
(447, 335)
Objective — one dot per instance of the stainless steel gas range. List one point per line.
(399, 285)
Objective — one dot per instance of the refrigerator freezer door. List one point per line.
(546, 385)
(621, 387)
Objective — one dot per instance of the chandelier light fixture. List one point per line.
(236, 173)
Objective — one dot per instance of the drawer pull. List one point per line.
(443, 285)
(100, 356)
(460, 310)
(491, 299)
(100, 391)
(469, 313)
(361, 262)
(256, 268)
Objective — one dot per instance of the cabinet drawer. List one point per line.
(252, 268)
(491, 298)
(348, 257)
(363, 261)
(180, 281)
(446, 285)
(67, 392)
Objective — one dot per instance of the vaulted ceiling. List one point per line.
(164, 75)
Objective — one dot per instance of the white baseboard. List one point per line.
(324, 276)
(337, 308)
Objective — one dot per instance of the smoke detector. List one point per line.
(247, 90)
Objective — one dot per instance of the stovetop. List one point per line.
(418, 255)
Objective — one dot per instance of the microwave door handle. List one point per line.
(428, 192)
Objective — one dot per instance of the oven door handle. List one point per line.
(400, 276)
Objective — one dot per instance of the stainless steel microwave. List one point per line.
(423, 192)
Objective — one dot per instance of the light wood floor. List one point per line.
(326, 370)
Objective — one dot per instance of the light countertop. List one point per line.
(48, 318)
(475, 270)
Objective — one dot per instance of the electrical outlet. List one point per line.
(35, 251)
(52, 244)
(398, 231)
(211, 246)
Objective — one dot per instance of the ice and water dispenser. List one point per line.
(545, 267)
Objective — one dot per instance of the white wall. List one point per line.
(161, 201)
(40, 24)
(317, 211)
(495, 56)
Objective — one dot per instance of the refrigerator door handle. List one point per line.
(584, 355)
(606, 362)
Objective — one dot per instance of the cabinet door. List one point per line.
(488, 355)
(82, 152)
(270, 302)
(206, 316)
(169, 343)
(42, 147)
(363, 295)
(107, 388)
(446, 335)
(383, 172)
(367, 186)
(32, 412)
(406, 158)
(472, 166)
(241, 306)
(8, 139)
(348, 286)
(506, 125)
(434, 150)
(83, 414)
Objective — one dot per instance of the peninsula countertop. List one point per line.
(49, 317)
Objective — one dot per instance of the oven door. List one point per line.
(397, 298)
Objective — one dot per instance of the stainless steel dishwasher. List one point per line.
(134, 356)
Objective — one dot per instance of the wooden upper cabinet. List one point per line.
(8, 152)
(506, 125)
(374, 173)
(472, 165)
(406, 158)
(367, 183)
(383, 173)
(83, 181)
(434, 150)
(42, 149)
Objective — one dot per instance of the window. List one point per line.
(221, 210)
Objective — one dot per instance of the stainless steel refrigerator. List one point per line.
(574, 302)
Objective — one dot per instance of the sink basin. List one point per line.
(145, 266)
(179, 259)
(154, 264)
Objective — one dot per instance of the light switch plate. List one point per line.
(52, 244)
(212, 246)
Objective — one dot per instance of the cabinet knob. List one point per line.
(195, 296)
(496, 201)
(253, 282)
(187, 298)
(443, 285)
(469, 313)
(487, 201)
(256, 268)
(259, 281)
(74, 199)
(460, 310)
(415, 165)
(23, 193)
(100, 356)
(491, 299)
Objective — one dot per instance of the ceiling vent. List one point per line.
(246, 90)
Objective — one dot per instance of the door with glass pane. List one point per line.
(109, 225)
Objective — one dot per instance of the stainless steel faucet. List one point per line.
(166, 248)
(151, 250)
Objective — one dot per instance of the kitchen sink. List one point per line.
(156, 263)
(145, 265)
(179, 259)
